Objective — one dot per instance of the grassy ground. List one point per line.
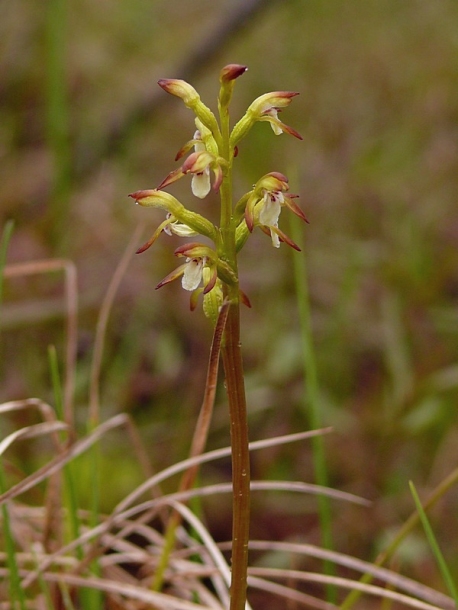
(378, 178)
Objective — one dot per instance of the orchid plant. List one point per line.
(212, 271)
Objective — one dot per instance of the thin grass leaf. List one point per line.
(434, 545)
(210, 546)
(442, 488)
(6, 236)
(311, 405)
(43, 585)
(46, 411)
(16, 593)
(102, 325)
(70, 496)
(71, 309)
(290, 594)
(57, 114)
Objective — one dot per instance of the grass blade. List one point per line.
(312, 400)
(15, 591)
(434, 545)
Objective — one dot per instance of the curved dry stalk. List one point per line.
(71, 300)
(46, 411)
(208, 457)
(387, 576)
(209, 544)
(122, 512)
(146, 508)
(344, 583)
(32, 432)
(58, 462)
(292, 595)
(392, 579)
(102, 322)
(161, 600)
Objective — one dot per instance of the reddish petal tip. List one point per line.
(141, 194)
(231, 72)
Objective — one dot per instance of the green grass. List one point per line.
(441, 562)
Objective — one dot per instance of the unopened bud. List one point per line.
(231, 72)
(191, 98)
(181, 89)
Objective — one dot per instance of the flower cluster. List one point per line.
(209, 158)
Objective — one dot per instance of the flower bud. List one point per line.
(231, 72)
(227, 79)
(191, 98)
(213, 300)
(181, 89)
(158, 199)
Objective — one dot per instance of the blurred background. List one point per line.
(83, 123)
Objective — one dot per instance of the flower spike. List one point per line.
(206, 271)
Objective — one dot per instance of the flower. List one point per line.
(198, 257)
(198, 164)
(195, 223)
(200, 183)
(265, 108)
(270, 212)
(193, 272)
(177, 228)
(264, 206)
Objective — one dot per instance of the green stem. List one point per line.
(235, 386)
(233, 367)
